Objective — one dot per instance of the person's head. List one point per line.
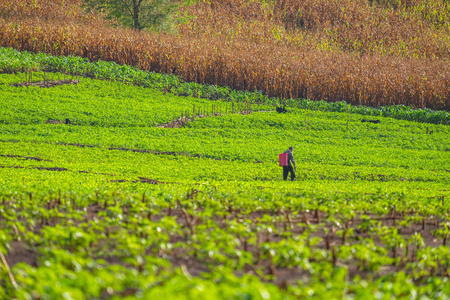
(291, 149)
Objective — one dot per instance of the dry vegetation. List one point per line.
(365, 52)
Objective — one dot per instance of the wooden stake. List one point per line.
(394, 215)
(8, 270)
(347, 117)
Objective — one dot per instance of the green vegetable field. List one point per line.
(117, 183)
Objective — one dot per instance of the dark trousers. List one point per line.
(286, 171)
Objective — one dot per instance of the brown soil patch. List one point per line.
(143, 180)
(24, 157)
(169, 153)
(144, 151)
(47, 84)
(181, 122)
(51, 169)
(19, 253)
(78, 145)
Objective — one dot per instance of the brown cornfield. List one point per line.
(364, 52)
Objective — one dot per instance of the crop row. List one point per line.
(400, 151)
(151, 243)
(58, 162)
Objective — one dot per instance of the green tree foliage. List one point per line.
(137, 14)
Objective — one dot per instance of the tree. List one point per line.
(137, 14)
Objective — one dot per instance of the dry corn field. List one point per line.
(365, 52)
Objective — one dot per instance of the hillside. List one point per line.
(100, 200)
(120, 183)
(370, 53)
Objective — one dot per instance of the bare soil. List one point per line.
(47, 84)
(24, 157)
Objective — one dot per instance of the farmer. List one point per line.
(291, 165)
(290, 168)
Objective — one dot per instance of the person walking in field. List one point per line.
(290, 168)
